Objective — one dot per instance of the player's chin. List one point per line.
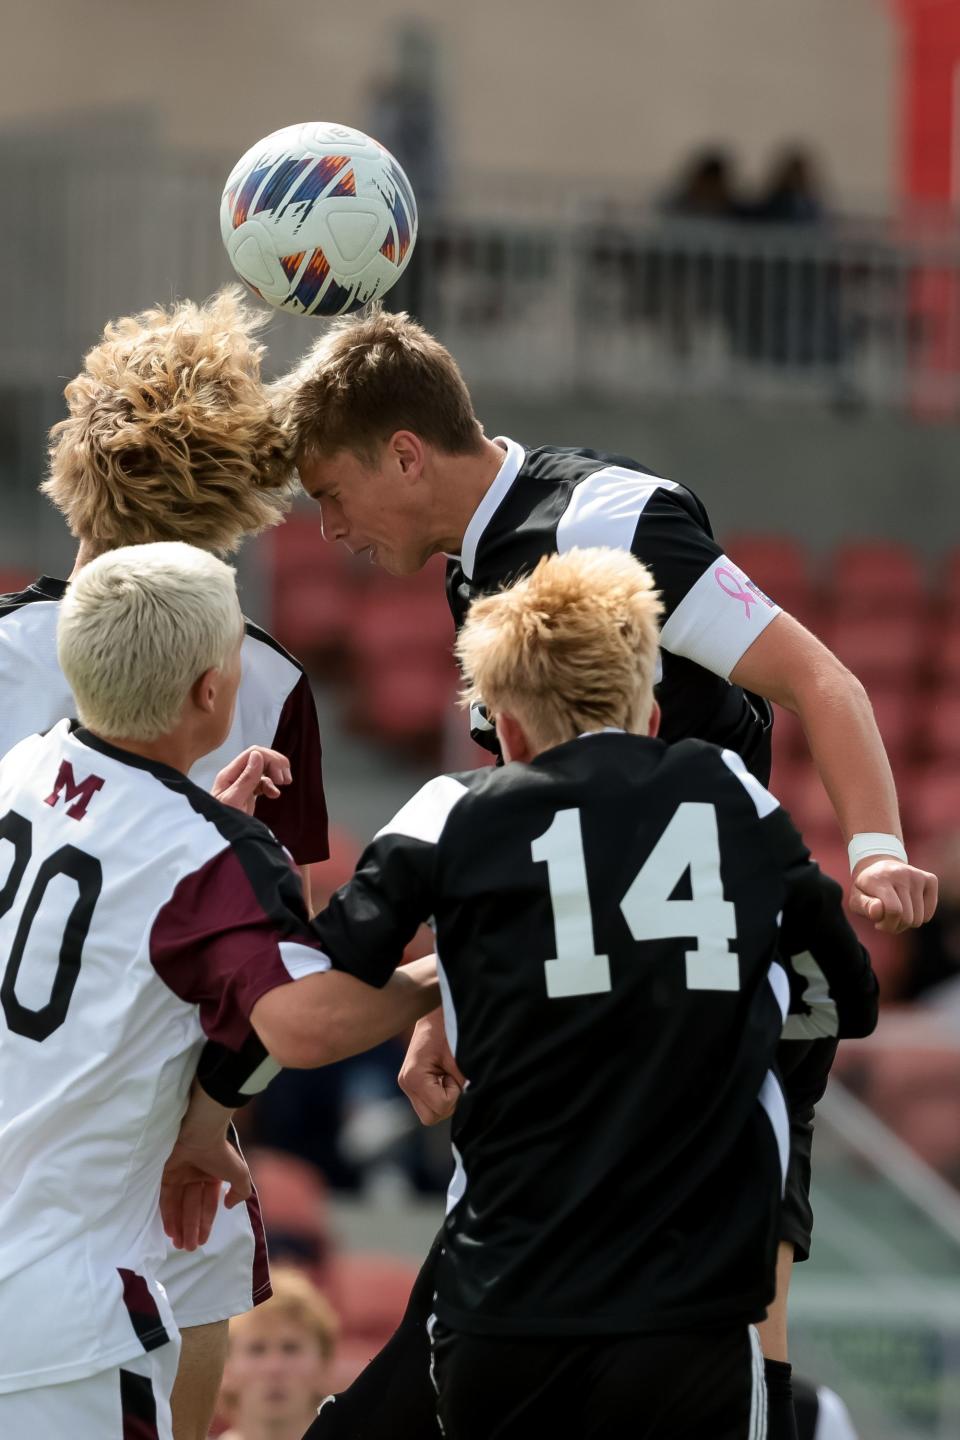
(397, 563)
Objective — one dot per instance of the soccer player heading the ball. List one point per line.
(170, 436)
(611, 912)
(140, 917)
(387, 441)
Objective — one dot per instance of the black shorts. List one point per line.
(804, 1069)
(683, 1386)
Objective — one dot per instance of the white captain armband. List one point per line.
(870, 842)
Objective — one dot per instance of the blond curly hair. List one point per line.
(569, 648)
(170, 434)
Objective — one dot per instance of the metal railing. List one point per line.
(585, 302)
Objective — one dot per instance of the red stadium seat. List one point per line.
(940, 734)
(930, 802)
(879, 648)
(896, 709)
(948, 590)
(943, 651)
(312, 587)
(370, 1292)
(789, 740)
(876, 577)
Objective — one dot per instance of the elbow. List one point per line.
(303, 1048)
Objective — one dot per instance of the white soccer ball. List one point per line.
(318, 219)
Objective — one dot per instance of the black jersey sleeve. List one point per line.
(370, 920)
(833, 988)
(713, 611)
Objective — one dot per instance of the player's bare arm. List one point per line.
(330, 1016)
(790, 666)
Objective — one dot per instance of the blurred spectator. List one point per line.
(793, 298)
(793, 194)
(279, 1363)
(706, 188)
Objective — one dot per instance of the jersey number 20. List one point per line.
(86, 873)
(690, 841)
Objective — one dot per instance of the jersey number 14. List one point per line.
(690, 842)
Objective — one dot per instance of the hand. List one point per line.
(200, 1160)
(429, 1077)
(894, 895)
(190, 1189)
(257, 771)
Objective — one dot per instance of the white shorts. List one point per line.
(227, 1276)
(129, 1399)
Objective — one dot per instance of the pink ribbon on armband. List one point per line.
(738, 592)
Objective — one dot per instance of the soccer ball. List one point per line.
(318, 219)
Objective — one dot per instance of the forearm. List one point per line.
(849, 754)
(332, 1016)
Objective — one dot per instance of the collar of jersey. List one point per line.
(484, 512)
(49, 588)
(125, 757)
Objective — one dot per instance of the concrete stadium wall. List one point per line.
(616, 92)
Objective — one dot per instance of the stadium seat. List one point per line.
(930, 801)
(948, 589)
(789, 741)
(943, 651)
(897, 713)
(370, 1292)
(876, 577)
(939, 718)
(312, 585)
(880, 648)
(405, 700)
(293, 1203)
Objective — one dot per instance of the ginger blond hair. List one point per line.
(170, 433)
(296, 1299)
(137, 627)
(369, 376)
(571, 647)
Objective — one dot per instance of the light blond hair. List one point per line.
(171, 434)
(297, 1300)
(571, 647)
(138, 626)
(369, 376)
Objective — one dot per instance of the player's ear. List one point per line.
(204, 690)
(513, 738)
(407, 450)
(653, 725)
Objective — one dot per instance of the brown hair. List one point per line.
(569, 648)
(171, 434)
(369, 376)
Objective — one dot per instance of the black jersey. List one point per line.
(551, 500)
(609, 919)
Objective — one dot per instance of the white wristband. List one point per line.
(871, 842)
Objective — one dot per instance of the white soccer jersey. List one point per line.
(274, 707)
(138, 918)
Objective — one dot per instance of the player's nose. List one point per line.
(332, 524)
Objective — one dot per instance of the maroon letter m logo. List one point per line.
(80, 794)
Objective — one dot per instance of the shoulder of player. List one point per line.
(727, 771)
(261, 640)
(39, 601)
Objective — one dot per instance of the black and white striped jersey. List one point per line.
(609, 919)
(275, 707)
(551, 500)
